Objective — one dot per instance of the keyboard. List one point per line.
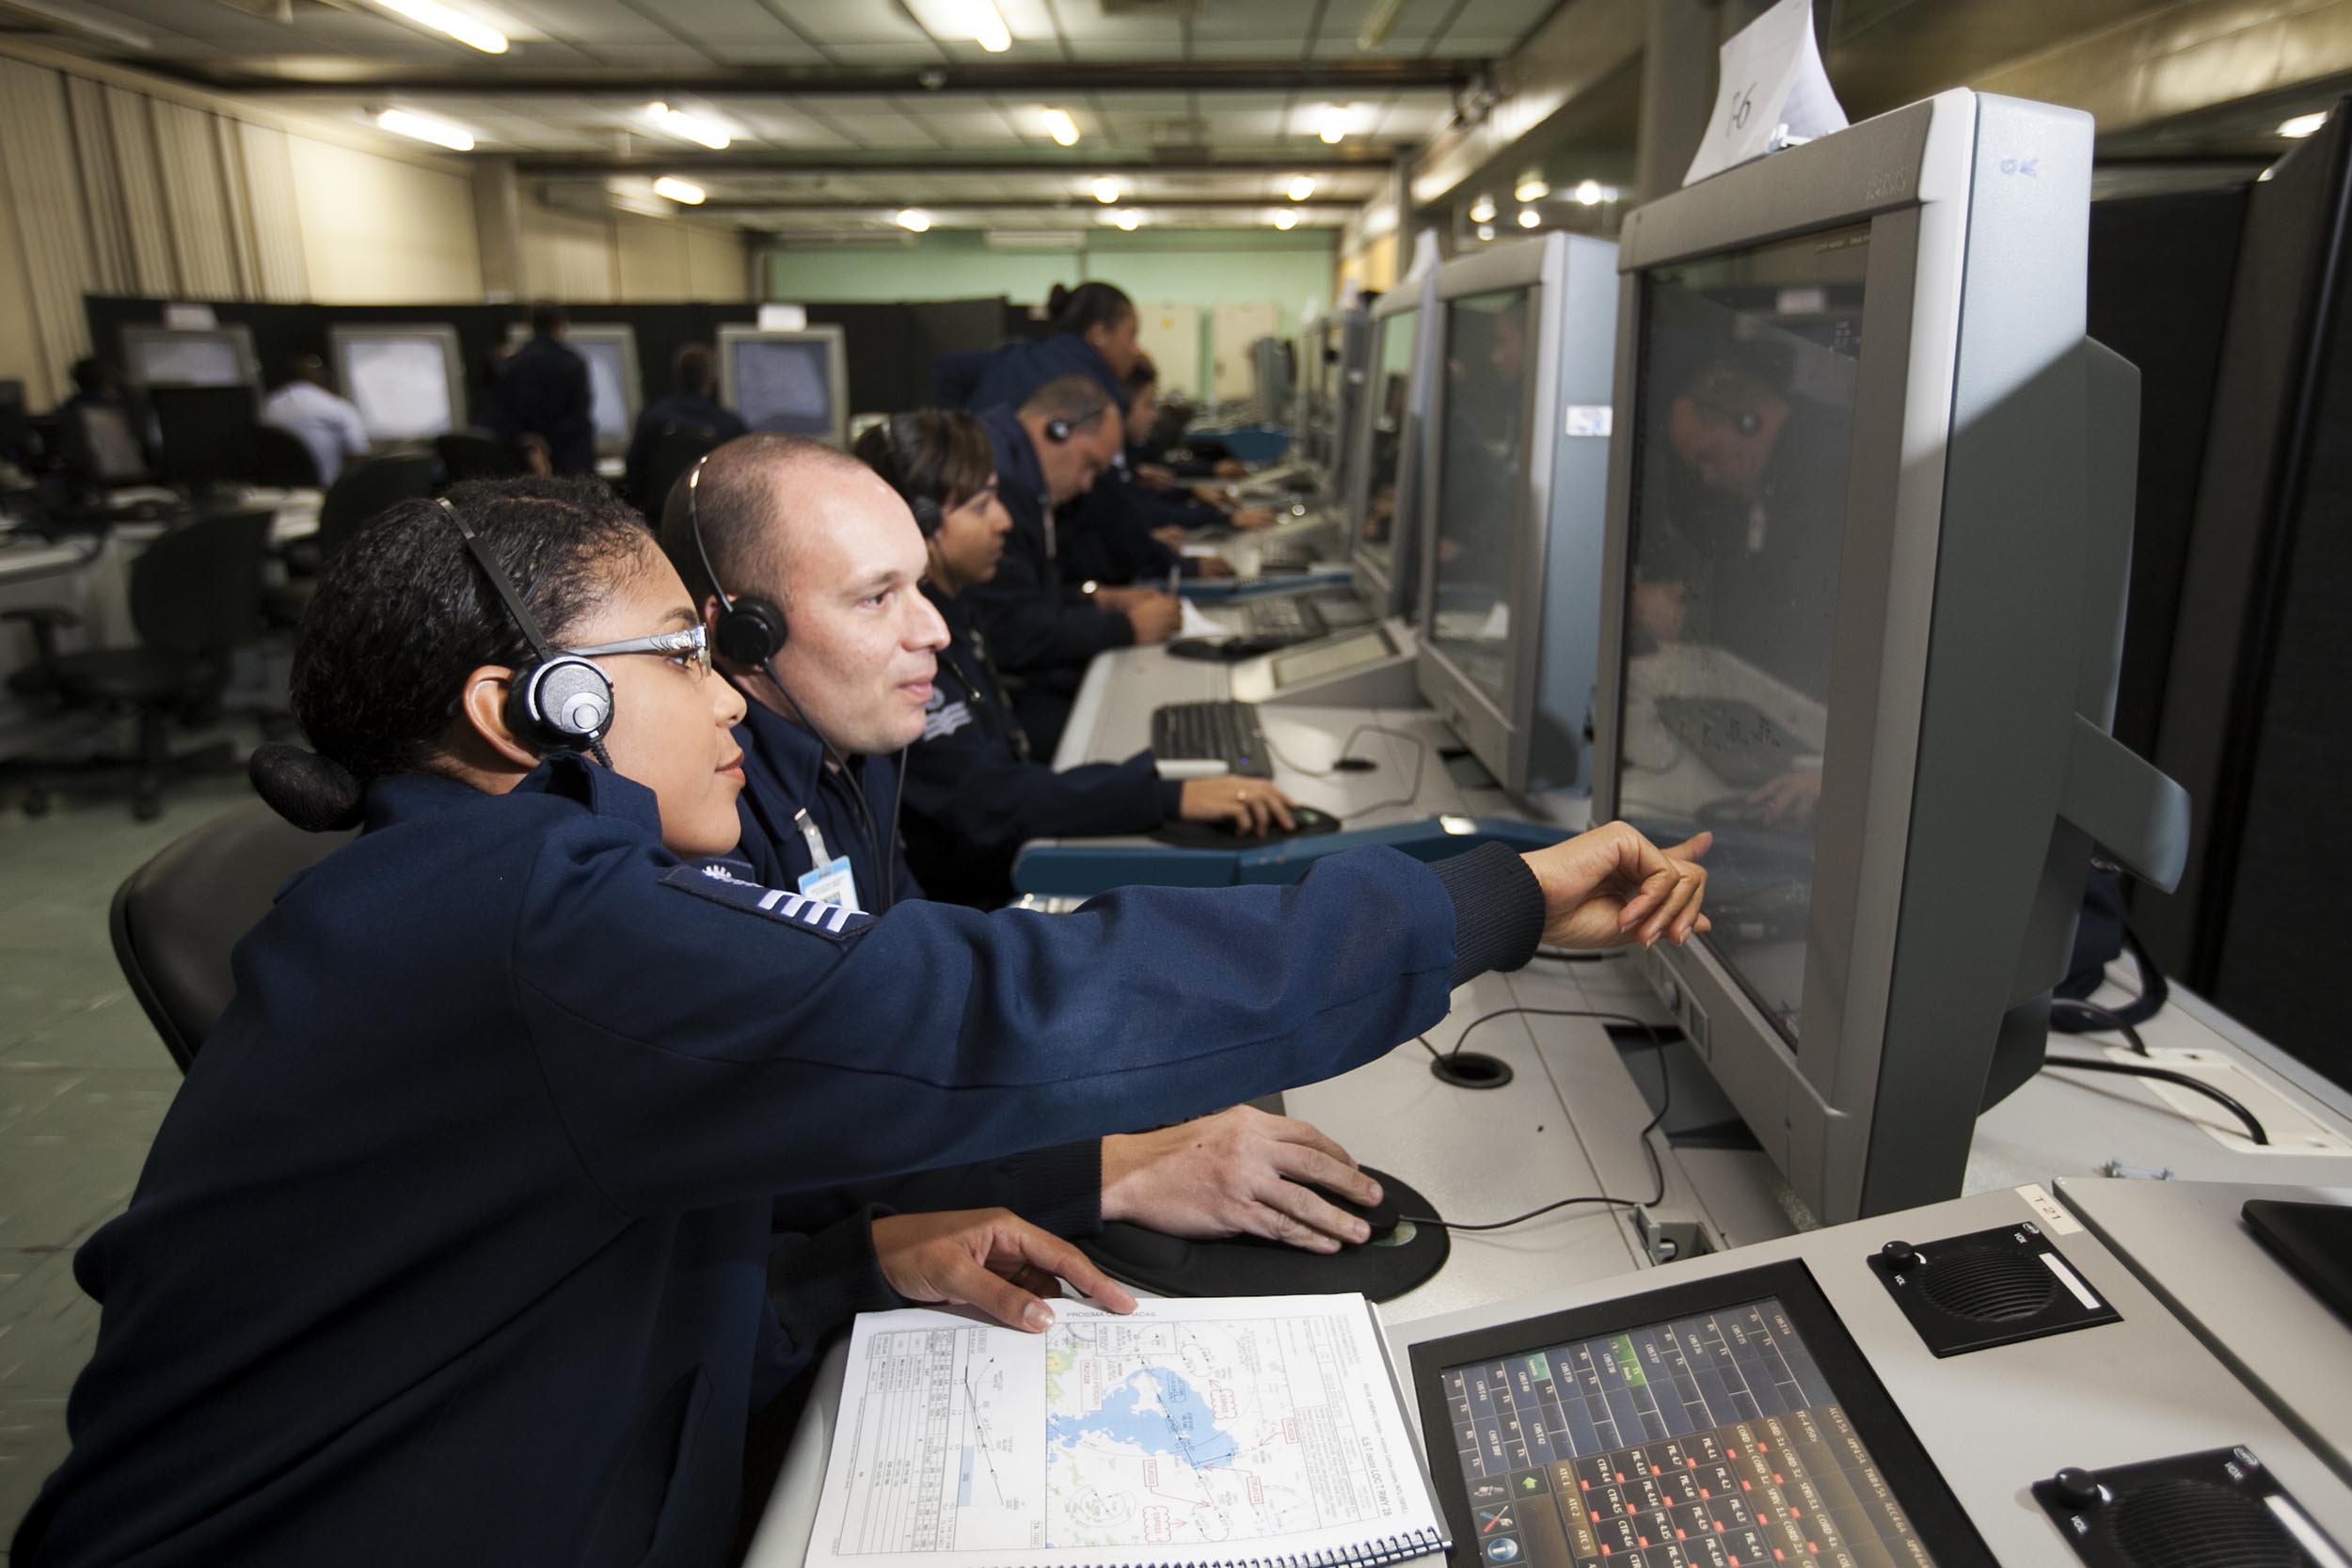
(1738, 744)
(1286, 560)
(1225, 732)
(1295, 619)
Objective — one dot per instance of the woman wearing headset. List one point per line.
(456, 1245)
(974, 792)
(1094, 334)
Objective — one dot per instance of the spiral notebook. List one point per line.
(1254, 1430)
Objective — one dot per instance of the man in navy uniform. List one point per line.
(1043, 625)
(544, 399)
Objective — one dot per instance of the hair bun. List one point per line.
(1055, 298)
(316, 794)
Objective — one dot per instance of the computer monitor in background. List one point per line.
(408, 382)
(1272, 376)
(205, 435)
(616, 392)
(1346, 378)
(1516, 497)
(1870, 526)
(182, 357)
(793, 383)
(1384, 508)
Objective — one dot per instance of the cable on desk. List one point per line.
(2137, 1069)
(1662, 1035)
(2081, 1018)
(1421, 759)
(2154, 989)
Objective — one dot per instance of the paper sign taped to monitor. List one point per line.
(1772, 91)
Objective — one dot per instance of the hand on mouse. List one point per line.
(1611, 887)
(1245, 805)
(991, 1259)
(1237, 1173)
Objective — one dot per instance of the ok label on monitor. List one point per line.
(1772, 91)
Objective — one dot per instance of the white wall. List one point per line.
(376, 231)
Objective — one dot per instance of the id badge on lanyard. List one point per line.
(832, 881)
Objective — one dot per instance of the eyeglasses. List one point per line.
(692, 640)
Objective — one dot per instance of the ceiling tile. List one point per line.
(589, 22)
(729, 22)
(833, 23)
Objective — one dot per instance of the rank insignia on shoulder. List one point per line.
(718, 882)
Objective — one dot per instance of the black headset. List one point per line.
(902, 436)
(556, 702)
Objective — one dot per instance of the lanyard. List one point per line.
(818, 854)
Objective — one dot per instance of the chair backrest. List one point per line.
(283, 460)
(366, 491)
(176, 919)
(678, 449)
(466, 455)
(197, 588)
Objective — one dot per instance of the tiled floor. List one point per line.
(84, 1082)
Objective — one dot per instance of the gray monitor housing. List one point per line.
(828, 343)
(1967, 774)
(1347, 376)
(1534, 739)
(619, 397)
(190, 356)
(407, 381)
(1401, 329)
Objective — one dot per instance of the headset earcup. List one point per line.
(927, 515)
(750, 631)
(1058, 430)
(565, 701)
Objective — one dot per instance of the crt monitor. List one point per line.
(407, 381)
(614, 392)
(793, 383)
(1869, 523)
(1349, 377)
(1384, 499)
(1515, 499)
(186, 356)
(205, 435)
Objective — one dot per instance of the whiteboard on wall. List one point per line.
(1170, 334)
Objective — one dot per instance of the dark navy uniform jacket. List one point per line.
(1003, 377)
(1042, 638)
(784, 772)
(456, 1244)
(975, 794)
(1106, 533)
(543, 391)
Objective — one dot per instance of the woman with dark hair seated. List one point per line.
(456, 1244)
(1094, 335)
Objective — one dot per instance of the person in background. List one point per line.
(328, 425)
(1044, 624)
(94, 382)
(544, 404)
(1094, 335)
(975, 793)
(1159, 493)
(693, 403)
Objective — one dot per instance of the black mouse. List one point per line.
(1382, 1216)
(1224, 650)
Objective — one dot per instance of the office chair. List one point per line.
(678, 448)
(360, 494)
(196, 595)
(282, 460)
(470, 454)
(176, 918)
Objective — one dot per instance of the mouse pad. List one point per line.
(1382, 1269)
(1215, 836)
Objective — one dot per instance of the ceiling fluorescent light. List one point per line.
(457, 24)
(1059, 126)
(1286, 219)
(441, 133)
(987, 27)
(694, 128)
(1130, 220)
(1334, 125)
(1302, 187)
(1106, 191)
(915, 220)
(1530, 188)
(2302, 125)
(1529, 217)
(1483, 210)
(684, 192)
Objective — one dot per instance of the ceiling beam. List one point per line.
(1329, 212)
(592, 167)
(1041, 78)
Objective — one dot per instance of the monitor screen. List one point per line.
(608, 387)
(1385, 509)
(1743, 430)
(783, 387)
(1634, 1447)
(1489, 370)
(197, 360)
(400, 386)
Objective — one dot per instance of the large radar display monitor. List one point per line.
(1749, 366)
(1728, 1422)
